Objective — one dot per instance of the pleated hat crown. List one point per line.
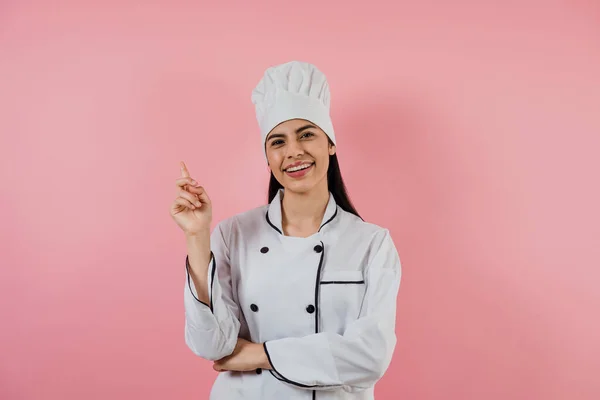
(292, 90)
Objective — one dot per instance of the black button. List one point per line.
(259, 371)
(254, 307)
(310, 309)
(318, 248)
(264, 250)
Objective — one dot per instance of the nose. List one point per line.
(294, 149)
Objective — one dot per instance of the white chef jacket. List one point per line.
(324, 306)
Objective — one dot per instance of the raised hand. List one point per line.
(192, 208)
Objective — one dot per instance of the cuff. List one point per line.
(210, 279)
(285, 365)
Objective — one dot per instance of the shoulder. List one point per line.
(375, 241)
(249, 219)
(352, 224)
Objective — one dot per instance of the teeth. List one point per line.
(298, 168)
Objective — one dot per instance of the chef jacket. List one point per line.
(323, 306)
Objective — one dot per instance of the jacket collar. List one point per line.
(273, 214)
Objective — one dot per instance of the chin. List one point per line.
(299, 187)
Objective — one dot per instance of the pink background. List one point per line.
(469, 129)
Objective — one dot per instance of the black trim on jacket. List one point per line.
(321, 227)
(212, 279)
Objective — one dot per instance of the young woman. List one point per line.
(294, 300)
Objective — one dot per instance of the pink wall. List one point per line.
(470, 130)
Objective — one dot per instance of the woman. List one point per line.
(301, 287)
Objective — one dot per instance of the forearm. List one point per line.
(246, 356)
(198, 250)
(262, 359)
(327, 360)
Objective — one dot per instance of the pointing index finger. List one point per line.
(184, 171)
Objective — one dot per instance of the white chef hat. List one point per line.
(292, 90)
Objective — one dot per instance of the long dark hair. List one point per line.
(334, 181)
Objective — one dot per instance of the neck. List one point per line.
(302, 213)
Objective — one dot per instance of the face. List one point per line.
(298, 154)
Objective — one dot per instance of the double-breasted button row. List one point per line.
(309, 309)
(318, 248)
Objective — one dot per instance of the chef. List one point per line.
(296, 299)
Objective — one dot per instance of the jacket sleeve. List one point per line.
(357, 359)
(211, 330)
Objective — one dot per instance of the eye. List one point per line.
(308, 134)
(276, 142)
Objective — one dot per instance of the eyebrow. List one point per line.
(302, 128)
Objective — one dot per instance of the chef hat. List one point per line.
(292, 90)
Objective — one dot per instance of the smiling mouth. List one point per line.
(299, 168)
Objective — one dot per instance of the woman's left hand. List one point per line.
(246, 356)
